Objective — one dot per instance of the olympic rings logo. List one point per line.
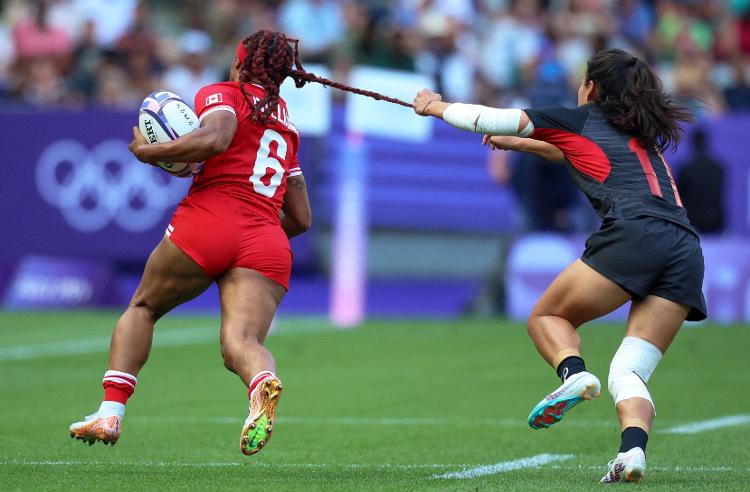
(93, 188)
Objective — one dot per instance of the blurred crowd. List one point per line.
(509, 52)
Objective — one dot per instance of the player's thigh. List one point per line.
(580, 294)
(170, 278)
(656, 320)
(248, 303)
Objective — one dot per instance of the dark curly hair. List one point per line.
(633, 99)
(269, 57)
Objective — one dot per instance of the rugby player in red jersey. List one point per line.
(232, 229)
(646, 251)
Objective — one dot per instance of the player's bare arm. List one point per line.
(213, 137)
(474, 117)
(296, 216)
(542, 149)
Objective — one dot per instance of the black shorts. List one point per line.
(650, 256)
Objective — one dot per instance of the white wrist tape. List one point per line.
(631, 369)
(485, 120)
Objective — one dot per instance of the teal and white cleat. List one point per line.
(629, 467)
(577, 388)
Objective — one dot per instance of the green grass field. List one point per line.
(390, 406)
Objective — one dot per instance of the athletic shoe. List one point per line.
(578, 387)
(259, 422)
(629, 466)
(95, 428)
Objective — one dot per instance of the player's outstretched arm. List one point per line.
(530, 145)
(213, 137)
(296, 216)
(474, 117)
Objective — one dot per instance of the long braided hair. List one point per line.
(268, 58)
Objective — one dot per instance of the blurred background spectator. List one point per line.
(701, 185)
(194, 70)
(76, 52)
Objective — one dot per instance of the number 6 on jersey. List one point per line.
(265, 161)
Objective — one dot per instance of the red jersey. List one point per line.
(257, 163)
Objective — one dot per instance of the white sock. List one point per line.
(111, 408)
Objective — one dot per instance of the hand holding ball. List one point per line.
(163, 117)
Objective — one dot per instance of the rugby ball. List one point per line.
(165, 116)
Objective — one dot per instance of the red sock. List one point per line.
(118, 386)
(257, 379)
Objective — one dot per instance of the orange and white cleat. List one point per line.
(97, 428)
(259, 422)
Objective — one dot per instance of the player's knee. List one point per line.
(533, 323)
(237, 343)
(536, 322)
(146, 308)
(631, 368)
(227, 357)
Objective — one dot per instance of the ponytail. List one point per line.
(632, 99)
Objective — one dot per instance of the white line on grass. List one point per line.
(214, 464)
(162, 338)
(166, 338)
(705, 469)
(389, 422)
(707, 425)
(354, 466)
(506, 466)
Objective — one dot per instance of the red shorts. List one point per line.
(220, 233)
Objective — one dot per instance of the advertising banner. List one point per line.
(53, 283)
(71, 188)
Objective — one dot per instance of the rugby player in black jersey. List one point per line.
(645, 252)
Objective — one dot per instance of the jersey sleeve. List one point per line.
(295, 169)
(215, 97)
(563, 128)
(294, 166)
(557, 119)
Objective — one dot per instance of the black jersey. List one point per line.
(620, 178)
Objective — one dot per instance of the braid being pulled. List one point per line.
(268, 57)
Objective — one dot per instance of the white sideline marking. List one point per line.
(708, 469)
(353, 466)
(506, 466)
(364, 421)
(707, 425)
(231, 464)
(167, 338)
(162, 338)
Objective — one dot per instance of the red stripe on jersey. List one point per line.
(677, 198)
(583, 154)
(648, 169)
